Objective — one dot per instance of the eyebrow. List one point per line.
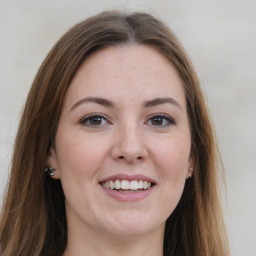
(100, 101)
(159, 101)
(108, 103)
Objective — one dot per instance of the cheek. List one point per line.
(173, 156)
(79, 157)
(172, 163)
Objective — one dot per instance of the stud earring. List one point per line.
(50, 171)
(191, 171)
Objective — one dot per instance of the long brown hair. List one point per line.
(33, 220)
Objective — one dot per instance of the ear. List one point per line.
(190, 167)
(52, 161)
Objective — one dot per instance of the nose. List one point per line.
(129, 145)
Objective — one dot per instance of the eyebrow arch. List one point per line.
(159, 101)
(98, 100)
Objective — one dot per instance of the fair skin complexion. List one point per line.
(124, 118)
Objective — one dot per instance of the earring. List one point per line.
(191, 171)
(49, 171)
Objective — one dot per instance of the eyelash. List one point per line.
(167, 118)
(90, 117)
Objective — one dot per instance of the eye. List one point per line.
(94, 120)
(160, 120)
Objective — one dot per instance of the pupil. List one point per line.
(96, 121)
(157, 121)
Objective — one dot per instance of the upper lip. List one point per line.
(123, 176)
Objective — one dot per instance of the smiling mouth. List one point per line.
(126, 186)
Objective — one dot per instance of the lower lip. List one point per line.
(128, 196)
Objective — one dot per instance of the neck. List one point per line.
(90, 245)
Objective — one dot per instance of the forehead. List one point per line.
(128, 71)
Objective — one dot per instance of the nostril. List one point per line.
(139, 157)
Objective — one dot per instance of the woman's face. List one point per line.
(123, 143)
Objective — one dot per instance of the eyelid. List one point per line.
(87, 117)
(162, 115)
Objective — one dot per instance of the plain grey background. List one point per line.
(220, 37)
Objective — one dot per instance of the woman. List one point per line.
(115, 153)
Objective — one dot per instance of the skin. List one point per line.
(124, 139)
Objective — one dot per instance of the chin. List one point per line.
(130, 231)
(132, 225)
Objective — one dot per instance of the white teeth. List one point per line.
(133, 185)
(117, 184)
(145, 185)
(140, 184)
(125, 184)
(111, 184)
